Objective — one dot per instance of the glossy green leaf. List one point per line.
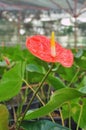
(11, 82)
(55, 82)
(3, 117)
(57, 99)
(42, 125)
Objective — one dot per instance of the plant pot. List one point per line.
(13, 128)
(73, 124)
(35, 104)
(55, 116)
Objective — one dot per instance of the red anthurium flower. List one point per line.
(6, 60)
(48, 50)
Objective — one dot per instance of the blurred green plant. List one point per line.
(69, 85)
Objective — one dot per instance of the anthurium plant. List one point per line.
(55, 76)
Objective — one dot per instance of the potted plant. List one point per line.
(57, 70)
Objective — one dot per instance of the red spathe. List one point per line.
(40, 47)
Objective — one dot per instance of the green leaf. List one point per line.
(15, 53)
(35, 72)
(42, 125)
(34, 68)
(65, 111)
(67, 73)
(83, 82)
(80, 61)
(83, 89)
(3, 117)
(55, 82)
(11, 82)
(76, 113)
(57, 99)
(79, 53)
(34, 77)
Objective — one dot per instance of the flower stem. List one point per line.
(61, 116)
(79, 117)
(37, 97)
(69, 107)
(40, 85)
(74, 77)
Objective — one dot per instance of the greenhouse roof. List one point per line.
(40, 4)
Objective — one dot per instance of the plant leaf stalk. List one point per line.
(40, 85)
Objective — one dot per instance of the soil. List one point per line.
(13, 128)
